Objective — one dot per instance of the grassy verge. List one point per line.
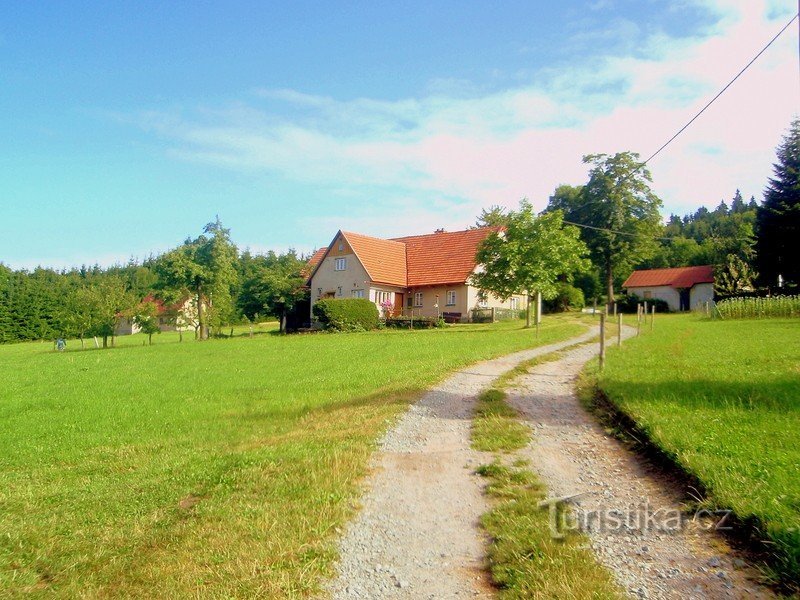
(722, 400)
(525, 560)
(218, 469)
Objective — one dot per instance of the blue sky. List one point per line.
(128, 127)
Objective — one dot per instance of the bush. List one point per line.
(346, 314)
(569, 297)
(629, 302)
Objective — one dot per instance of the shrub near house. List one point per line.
(346, 314)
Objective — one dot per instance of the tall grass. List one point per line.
(774, 307)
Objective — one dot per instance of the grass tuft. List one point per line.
(525, 560)
(495, 427)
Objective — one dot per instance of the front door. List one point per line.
(398, 304)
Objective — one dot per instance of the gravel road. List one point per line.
(573, 455)
(417, 534)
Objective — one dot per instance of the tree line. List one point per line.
(587, 241)
(217, 283)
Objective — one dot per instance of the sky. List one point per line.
(127, 127)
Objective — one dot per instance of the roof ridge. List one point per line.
(371, 237)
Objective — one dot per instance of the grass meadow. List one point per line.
(214, 469)
(723, 399)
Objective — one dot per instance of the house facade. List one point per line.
(682, 288)
(423, 275)
(179, 317)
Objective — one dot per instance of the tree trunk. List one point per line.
(609, 284)
(105, 341)
(282, 325)
(201, 316)
(150, 339)
(528, 312)
(82, 346)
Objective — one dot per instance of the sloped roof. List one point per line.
(384, 260)
(316, 258)
(680, 277)
(413, 261)
(444, 257)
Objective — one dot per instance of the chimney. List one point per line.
(440, 230)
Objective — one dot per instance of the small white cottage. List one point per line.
(682, 288)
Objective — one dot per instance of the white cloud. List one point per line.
(459, 149)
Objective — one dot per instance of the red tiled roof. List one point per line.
(680, 277)
(417, 260)
(316, 258)
(384, 260)
(442, 258)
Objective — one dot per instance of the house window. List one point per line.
(648, 295)
(341, 247)
(357, 293)
(418, 299)
(340, 264)
(482, 300)
(451, 298)
(381, 297)
(409, 301)
(514, 303)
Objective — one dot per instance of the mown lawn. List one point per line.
(723, 398)
(220, 469)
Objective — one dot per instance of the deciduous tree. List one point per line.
(529, 255)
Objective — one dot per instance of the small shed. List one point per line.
(682, 288)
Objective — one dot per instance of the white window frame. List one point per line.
(339, 264)
(382, 296)
(451, 298)
(417, 299)
(514, 303)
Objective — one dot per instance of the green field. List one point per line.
(221, 468)
(723, 398)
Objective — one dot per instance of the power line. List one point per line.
(722, 91)
(692, 120)
(665, 239)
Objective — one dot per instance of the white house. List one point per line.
(682, 288)
(424, 275)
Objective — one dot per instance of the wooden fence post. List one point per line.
(493, 316)
(602, 340)
(638, 319)
(652, 317)
(619, 327)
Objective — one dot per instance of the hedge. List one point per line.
(629, 302)
(346, 314)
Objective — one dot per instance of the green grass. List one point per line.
(495, 427)
(723, 399)
(218, 469)
(526, 561)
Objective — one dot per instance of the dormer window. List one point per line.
(340, 264)
(341, 246)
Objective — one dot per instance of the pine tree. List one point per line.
(778, 218)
